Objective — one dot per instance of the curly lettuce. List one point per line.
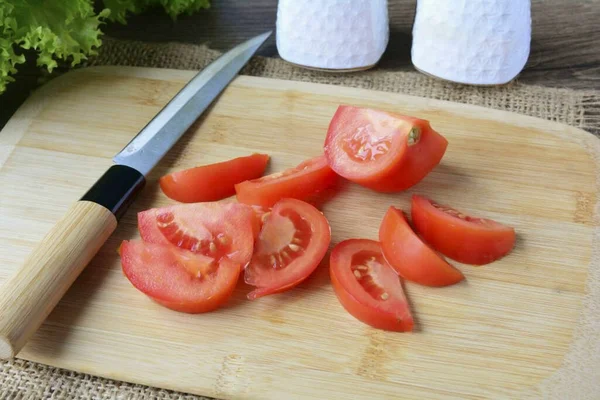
(119, 9)
(56, 29)
(65, 30)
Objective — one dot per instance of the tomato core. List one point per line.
(366, 145)
(283, 239)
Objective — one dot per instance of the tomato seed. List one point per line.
(265, 216)
(357, 274)
(362, 268)
(163, 220)
(223, 240)
(296, 240)
(212, 247)
(384, 296)
(294, 247)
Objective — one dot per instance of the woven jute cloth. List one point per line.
(21, 379)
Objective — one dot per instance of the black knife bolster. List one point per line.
(116, 189)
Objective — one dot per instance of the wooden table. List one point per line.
(565, 48)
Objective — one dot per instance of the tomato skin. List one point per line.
(158, 271)
(398, 165)
(365, 314)
(214, 181)
(301, 182)
(316, 238)
(410, 257)
(468, 240)
(392, 314)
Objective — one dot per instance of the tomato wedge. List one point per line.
(380, 150)
(367, 287)
(470, 240)
(308, 178)
(292, 242)
(410, 257)
(178, 279)
(214, 181)
(211, 229)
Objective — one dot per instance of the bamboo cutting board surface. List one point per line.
(517, 328)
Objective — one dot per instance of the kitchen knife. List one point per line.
(33, 291)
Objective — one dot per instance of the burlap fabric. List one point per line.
(26, 380)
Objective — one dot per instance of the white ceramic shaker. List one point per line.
(480, 42)
(332, 34)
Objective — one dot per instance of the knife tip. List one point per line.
(266, 35)
(258, 40)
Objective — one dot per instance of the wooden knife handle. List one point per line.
(33, 291)
(30, 295)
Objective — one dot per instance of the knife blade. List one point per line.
(165, 129)
(35, 288)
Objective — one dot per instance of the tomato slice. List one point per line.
(308, 178)
(291, 244)
(214, 181)
(410, 257)
(380, 150)
(367, 287)
(211, 229)
(176, 278)
(470, 240)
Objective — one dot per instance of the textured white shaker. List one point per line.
(332, 34)
(483, 42)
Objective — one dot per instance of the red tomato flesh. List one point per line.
(292, 242)
(260, 214)
(470, 240)
(178, 279)
(214, 181)
(410, 257)
(301, 182)
(211, 229)
(380, 150)
(367, 287)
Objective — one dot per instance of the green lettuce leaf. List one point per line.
(65, 30)
(58, 29)
(119, 9)
(176, 7)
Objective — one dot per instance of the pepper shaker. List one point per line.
(340, 35)
(480, 42)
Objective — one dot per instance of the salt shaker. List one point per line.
(332, 34)
(481, 42)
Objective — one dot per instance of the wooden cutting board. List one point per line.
(515, 328)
